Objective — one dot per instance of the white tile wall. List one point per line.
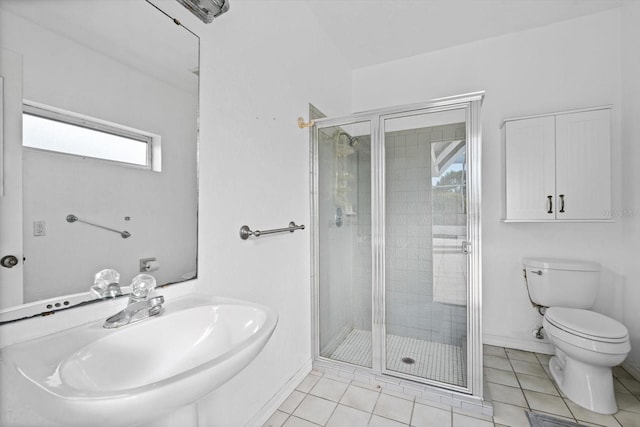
(410, 309)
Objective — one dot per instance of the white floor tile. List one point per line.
(582, 414)
(345, 416)
(509, 415)
(521, 355)
(546, 403)
(497, 362)
(529, 368)
(329, 389)
(307, 384)
(298, 422)
(394, 408)
(315, 409)
(628, 402)
(377, 421)
(534, 383)
(506, 394)
(292, 402)
(360, 398)
(429, 416)
(460, 420)
(619, 388)
(499, 376)
(276, 420)
(628, 419)
(543, 358)
(429, 356)
(364, 404)
(492, 350)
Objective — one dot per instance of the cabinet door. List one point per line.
(530, 175)
(583, 165)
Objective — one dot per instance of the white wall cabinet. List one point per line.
(558, 167)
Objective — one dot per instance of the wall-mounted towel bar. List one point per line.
(72, 218)
(245, 231)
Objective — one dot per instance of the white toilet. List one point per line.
(587, 344)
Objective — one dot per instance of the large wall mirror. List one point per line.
(124, 77)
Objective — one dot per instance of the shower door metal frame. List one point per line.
(471, 103)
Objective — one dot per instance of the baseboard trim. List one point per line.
(274, 403)
(544, 347)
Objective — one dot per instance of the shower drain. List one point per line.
(408, 360)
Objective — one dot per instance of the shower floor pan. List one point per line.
(432, 360)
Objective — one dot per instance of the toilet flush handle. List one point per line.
(538, 272)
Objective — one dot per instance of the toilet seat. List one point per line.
(587, 324)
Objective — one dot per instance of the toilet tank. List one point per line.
(561, 282)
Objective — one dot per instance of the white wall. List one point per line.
(260, 69)
(630, 206)
(568, 65)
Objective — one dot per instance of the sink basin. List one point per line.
(89, 375)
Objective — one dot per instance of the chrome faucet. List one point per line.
(140, 306)
(106, 284)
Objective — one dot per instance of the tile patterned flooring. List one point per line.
(433, 360)
(515, 380)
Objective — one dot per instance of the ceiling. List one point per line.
(113, 28)
(369, 32)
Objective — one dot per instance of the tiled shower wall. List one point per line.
(362, 288)
(410, 309)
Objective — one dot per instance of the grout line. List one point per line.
(374, 408)
(413, 408)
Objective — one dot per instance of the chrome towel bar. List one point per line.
(245, 231)
(72, 218)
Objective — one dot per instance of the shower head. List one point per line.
(352, 139)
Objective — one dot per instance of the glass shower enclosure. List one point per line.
(396, 242)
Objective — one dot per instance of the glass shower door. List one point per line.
(425, 280)
(343, 247)
(397, 243)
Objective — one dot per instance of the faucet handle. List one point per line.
(142, 285)
(105, 283)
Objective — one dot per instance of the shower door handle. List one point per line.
(465, 247)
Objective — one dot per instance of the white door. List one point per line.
(11, 172)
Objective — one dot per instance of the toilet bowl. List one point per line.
(587, 344)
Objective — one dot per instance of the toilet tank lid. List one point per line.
(561, 264)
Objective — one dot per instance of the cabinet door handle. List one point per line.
(550, 204)
(561, 203)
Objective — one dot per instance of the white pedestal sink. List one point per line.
(89, 375)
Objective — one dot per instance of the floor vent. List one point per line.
(541, 420)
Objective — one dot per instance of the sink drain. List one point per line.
(408, 360)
